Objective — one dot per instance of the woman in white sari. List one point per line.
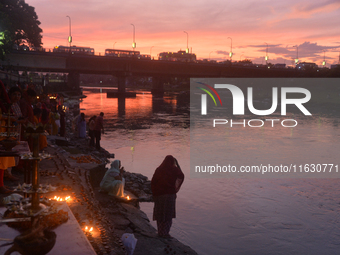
(113, 182)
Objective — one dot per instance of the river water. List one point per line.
(235, 215)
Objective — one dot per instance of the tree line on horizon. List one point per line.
(19, 25)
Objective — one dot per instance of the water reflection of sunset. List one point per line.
(260, 203)
(142, 106)
(134, 107)
(312, 141)
(172, 102)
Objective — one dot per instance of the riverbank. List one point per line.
(76, 170)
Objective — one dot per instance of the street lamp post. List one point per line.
(69, 37)
(187, 49)
(266, 57)
(297, 54)
(231, 49)
(134, 42)
(114, 45)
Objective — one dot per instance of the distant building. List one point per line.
(261, 66)
(306, 66)
(335, 66)
(245, 62)
(225, 62)
(279, 65)
(181, 56)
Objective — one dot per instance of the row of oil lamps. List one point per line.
(88, 230)
(98, 232)
(93, 233)
(59, 199)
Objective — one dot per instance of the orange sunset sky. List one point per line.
(250, 25)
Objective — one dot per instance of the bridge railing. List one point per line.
(11, 79)
(47, 50)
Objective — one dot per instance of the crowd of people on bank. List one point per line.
(94, 126)
(27, 106)
(166, 181)
(23, 107)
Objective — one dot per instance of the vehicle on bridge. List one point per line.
(74, 50)
(144, 56)
(181, 56)
(21, 47)
(39, 49)
(122, 53)
(126, 54)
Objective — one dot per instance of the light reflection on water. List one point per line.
(229, 216)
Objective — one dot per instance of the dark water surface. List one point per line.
(229, 216)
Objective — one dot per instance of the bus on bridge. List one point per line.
(74, 50)
(181, 56)
(126, 54)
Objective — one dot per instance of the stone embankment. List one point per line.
(113, 217)
(76, 169)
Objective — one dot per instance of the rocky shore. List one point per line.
(76, 170)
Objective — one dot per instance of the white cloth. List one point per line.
(81, 124)
(109, 183)
(129, 241)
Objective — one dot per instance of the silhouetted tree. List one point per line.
(19, 25)
(270, 65)
(246, 61)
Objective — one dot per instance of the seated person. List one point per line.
(113, 181)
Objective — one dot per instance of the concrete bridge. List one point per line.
(121, 68)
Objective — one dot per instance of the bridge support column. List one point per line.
(121, 106)
(157, 86)
(73, 81)
(121, 79)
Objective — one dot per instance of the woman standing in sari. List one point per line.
(165, 183)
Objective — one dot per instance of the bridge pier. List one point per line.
(73, 81)
(121, 80)
(121, 106)
(157, 86)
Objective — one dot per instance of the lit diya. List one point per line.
(60, 199)
(88, 230)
